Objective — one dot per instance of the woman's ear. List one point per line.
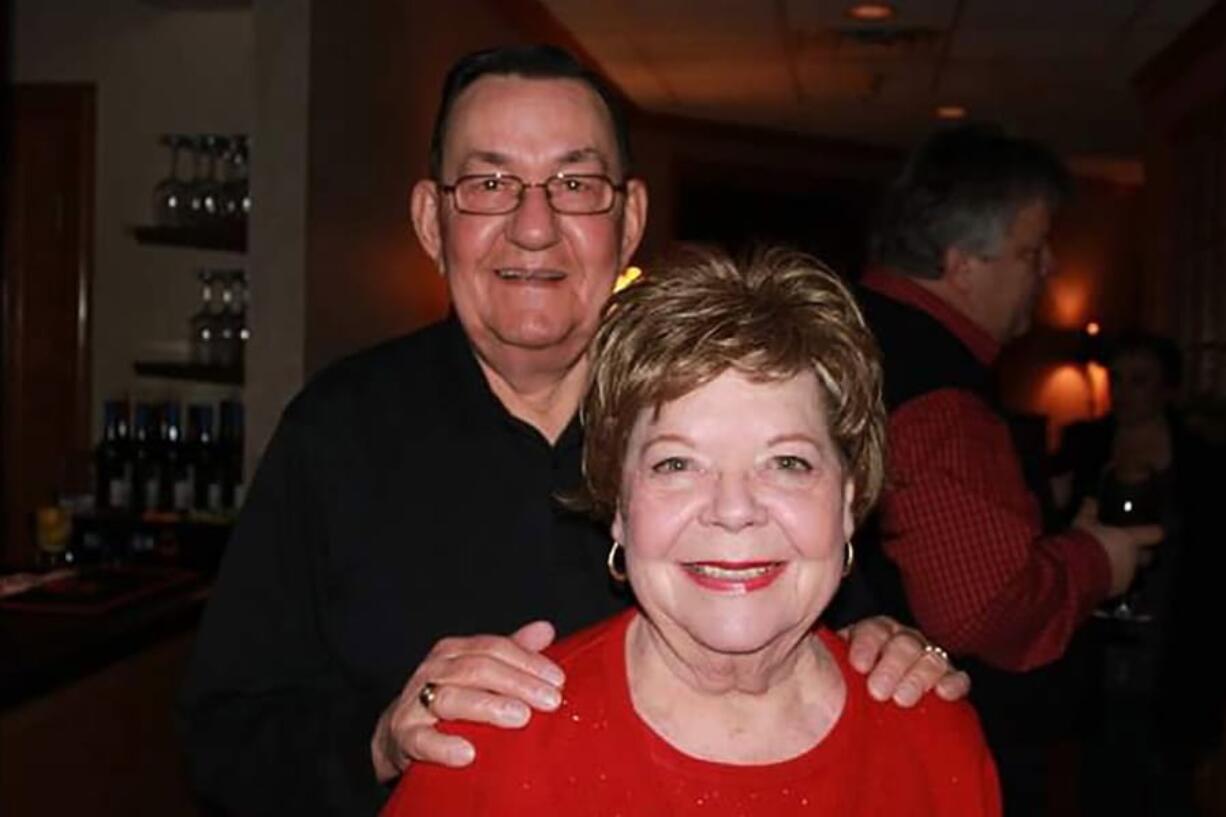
(849, 501)
(618, 528)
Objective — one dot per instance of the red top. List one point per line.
(594, 756)
(965, 531)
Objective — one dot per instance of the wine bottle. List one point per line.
(112, 460)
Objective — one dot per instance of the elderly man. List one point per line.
(961, 252)
(407, 499)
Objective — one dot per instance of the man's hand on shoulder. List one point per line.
(485, 679)
(902, 665)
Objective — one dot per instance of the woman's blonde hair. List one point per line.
(771, 317)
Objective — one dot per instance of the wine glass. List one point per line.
(235, 198)
(169, 199)
(194, 189)
(214, 147)
(1129, 497)
(203, 324)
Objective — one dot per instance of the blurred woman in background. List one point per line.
(1151, 714)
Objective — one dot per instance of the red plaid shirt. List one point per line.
(965, 531)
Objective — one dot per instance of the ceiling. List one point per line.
(1057, 70)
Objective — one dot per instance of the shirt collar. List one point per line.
(904, 289)
(481, 396)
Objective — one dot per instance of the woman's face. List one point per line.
(1138, 391)
(734, 511)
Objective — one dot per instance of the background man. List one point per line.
(408, 493)
(961, 252)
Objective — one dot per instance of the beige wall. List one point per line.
(278, 225)
(156, 71)
(376, 70)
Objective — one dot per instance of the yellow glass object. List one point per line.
(627, 278)
(53, 529)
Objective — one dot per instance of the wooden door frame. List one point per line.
(78, 99)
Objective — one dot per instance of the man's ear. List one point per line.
(634, 218)
(424, 209)
(959, 270)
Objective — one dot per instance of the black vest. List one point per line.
(920, 356)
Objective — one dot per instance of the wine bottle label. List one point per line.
(183, 494)
(215, 496)
(151, 492)
(118, 492)
(240, 493)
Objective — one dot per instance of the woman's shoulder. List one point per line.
(583, 658)
(931, 722)
(936, 747)
(591, 644)
(532, 767)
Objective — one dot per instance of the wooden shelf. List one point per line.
(226, 375)
(225, 237)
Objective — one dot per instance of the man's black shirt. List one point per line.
(398, 502)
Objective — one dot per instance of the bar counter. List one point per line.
(46, 650)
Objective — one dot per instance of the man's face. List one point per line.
(1006, 283)
(529, 285)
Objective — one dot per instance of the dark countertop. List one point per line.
(40, 651)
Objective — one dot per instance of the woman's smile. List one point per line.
(734, 577)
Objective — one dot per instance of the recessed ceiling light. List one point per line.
(870, 12)
(951, 112)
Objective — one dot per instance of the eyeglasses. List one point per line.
(496, 194)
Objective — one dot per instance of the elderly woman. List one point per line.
(734, 439)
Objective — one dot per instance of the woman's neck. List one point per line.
(1142, 447)
(739, 709)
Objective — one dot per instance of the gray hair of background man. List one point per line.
(530, 62)
(962, 188)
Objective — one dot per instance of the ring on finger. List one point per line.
(933, 649)
(427, 694)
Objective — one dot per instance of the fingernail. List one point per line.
(555, 676)
(549, 699)
(879, 688)
(515, 714)
(906, 695)
(463, 754)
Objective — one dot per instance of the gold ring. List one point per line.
(933, 649)
(427, 694)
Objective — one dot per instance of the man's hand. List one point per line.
(1125, 547)
(485, 678)
(905, 666)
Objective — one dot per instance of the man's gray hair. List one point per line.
(962, 188)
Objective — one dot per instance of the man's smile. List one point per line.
(525, 274)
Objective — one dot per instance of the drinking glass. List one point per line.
(213, 147)
(202, 326)
(235, 195)
(1126, 499)
(194, 188)
(169, 201)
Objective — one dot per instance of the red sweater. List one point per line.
(980, 576)
(594, 756)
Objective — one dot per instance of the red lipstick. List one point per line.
(734, 577)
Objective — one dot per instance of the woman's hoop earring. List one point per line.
(618, 574)
(850, 560)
